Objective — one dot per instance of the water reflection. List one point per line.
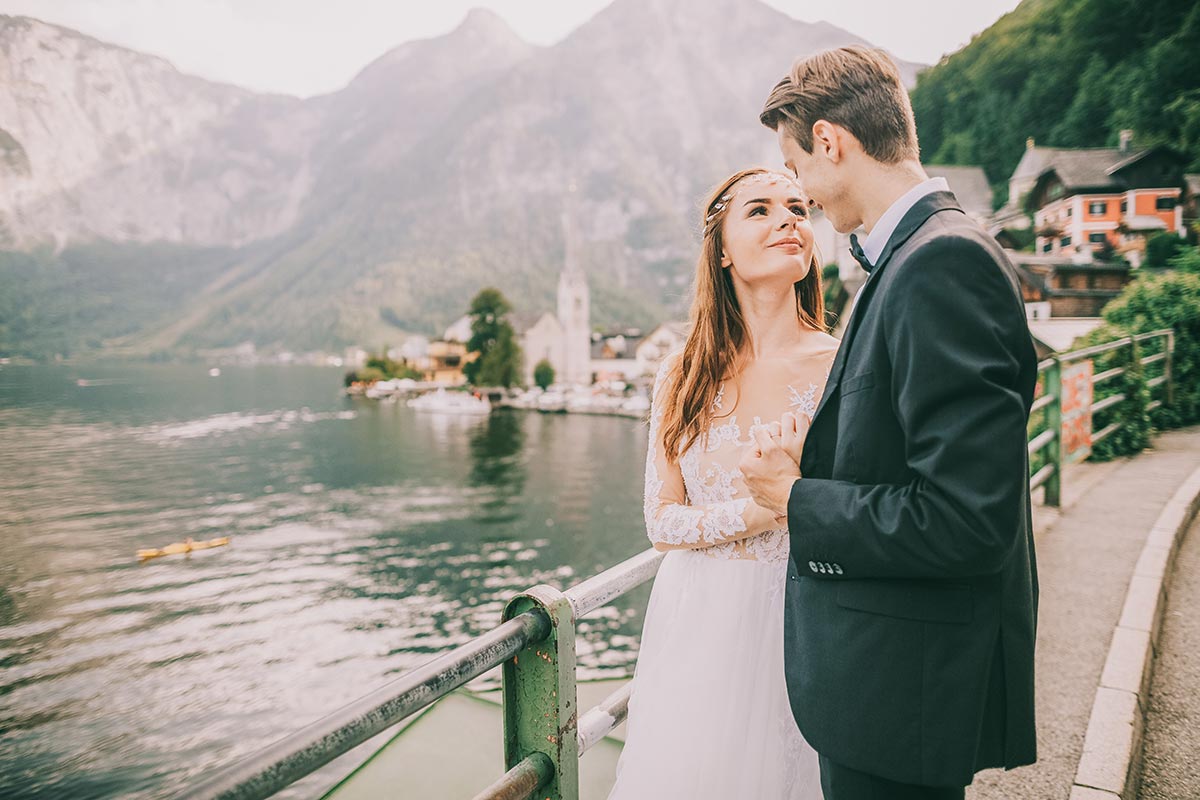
(365, 538)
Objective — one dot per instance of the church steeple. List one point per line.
(574, 302)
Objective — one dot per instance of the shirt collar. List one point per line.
(873, 244)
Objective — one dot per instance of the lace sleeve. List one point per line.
(672, 521)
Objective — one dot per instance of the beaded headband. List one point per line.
(758, 178)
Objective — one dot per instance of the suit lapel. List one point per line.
(912, 221)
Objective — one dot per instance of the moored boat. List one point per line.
(444, 402)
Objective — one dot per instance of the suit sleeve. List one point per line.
(957, 340)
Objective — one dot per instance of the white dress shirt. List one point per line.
(878, 238)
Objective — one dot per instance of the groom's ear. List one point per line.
(827, 140)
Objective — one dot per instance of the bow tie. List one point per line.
(859, 256)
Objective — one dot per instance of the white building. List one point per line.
(565, 338)
(574, 314)
(660, 343)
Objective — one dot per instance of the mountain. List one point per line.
(444, 166)
(1069, 73)
(100, 142)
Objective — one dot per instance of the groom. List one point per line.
(912, 589)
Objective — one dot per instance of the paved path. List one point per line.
(1171, 762)
(1086, 556)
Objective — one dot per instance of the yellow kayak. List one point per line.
(181, 547)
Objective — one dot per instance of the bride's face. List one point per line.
(767, 235)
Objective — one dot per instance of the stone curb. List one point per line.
(1110, 767)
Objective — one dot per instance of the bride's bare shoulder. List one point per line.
(819, 343)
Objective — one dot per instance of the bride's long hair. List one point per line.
(719, 336)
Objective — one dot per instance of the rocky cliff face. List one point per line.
(101, 142)
(444, 166)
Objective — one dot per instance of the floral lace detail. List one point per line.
(717, 403)
(804, 403)
(699, 520)
(772, 546)
(794, 744)
(702, 500)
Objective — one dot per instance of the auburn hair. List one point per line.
(718, 337)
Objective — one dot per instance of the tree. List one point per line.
(1086, 120)
(1069, 73)
(500, 365)
(1187, 260)
(1162, 247)
(492, 337)
(543, 374)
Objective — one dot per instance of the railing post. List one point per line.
(1054, 450)
(1168, 369)
(540, 711)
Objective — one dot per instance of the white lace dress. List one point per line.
(709, 716)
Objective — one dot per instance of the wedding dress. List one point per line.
(709, 717)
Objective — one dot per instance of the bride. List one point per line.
(709, 715)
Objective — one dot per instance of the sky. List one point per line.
(309, 47)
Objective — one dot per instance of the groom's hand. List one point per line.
(769, 471)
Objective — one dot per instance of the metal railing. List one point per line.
(1049, 439)
(544, 733)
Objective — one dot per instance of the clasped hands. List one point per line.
(772, 464)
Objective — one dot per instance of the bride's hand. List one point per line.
(793, 429)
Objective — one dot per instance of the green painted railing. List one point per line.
(544, 733)
(1049, 440)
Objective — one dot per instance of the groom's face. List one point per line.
(818, 177)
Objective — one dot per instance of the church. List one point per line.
(565, 338)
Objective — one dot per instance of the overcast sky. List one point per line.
(307, 47)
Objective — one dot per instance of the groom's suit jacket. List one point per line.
(912, 587)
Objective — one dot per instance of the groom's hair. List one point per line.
(858, 88)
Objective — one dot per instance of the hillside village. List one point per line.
(1076, 224)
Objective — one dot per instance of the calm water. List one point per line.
(366, 538)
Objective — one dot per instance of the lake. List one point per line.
(366, 538)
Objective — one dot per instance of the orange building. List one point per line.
(444, 362)
(1106, 200)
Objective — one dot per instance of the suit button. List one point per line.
(837, 568)
(812, 565)
(822, 569)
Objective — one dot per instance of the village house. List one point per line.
(444, 362)
(440, 360)
(658, 344)
(1191, 206)
(1100, 201)
(614, 355)
(1053, 286)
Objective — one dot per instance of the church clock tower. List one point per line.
(574, 309)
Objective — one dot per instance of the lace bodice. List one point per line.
(700, 502)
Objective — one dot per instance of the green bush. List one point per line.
(543, 374)
(1170, 301)
(1162, 247)
(1187, 260)
(367, 375)
(834, 292)
(1153, 302)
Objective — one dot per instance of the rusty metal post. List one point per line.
(540, 706)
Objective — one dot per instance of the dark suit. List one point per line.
(912, 591)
